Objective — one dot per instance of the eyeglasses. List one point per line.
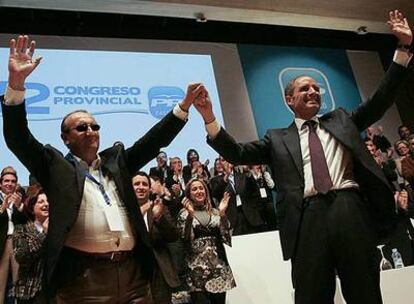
(84, 127)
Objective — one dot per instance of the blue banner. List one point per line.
(267, 70)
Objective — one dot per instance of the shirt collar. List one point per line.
(95, 164)
(299, 121)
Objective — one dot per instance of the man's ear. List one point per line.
(289, 100)
(64, 138)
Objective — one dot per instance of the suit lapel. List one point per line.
(79, 170)
(336, 129)
(292, 143)
(109, 165)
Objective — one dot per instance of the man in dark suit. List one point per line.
(162, 231)
(162, 170)
(324, 175)
(10, 215)
(97, 248)
(242, 213)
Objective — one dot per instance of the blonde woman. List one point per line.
(205, 229)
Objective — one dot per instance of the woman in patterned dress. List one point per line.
(28, 243)
(204, 230)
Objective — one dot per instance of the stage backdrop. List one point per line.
(128, 92)
(267, 70)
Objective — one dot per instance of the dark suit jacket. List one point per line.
(249, 207)
(64, 180)
(162, 232)
(4, 225)
(280, 148)
(17, 218)
(161, 174)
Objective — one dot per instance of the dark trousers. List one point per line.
(107, 282)
(335, 237)
(161, 292)
(208, 298)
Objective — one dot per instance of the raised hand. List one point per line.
(188, 206)
(224, 203)
(400, 28)
(205, 108)
(194, 92)
(21, 62)
(45, 226)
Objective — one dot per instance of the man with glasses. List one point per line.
(98, 249)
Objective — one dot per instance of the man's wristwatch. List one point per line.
(406, 47)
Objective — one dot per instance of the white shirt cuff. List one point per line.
(21, 207)
(13, 97)
(402, 58)
(177, 111)
(213, 128)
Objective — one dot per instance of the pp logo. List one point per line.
(163, 99)
(35, 93)
(328, 101)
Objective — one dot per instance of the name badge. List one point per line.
(238, 200)
(113, 217)
(263, 193)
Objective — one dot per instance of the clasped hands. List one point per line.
(198, 96)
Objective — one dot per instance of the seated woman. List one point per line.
(28, 240)
(204, 230)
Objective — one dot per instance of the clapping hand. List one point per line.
(21, 62)
(15, 199)
(45, 226)
(6, 203)
(402, 199)
(176, 188)
(224, 204)
(158, 208)
(188, 206)
(400, 28)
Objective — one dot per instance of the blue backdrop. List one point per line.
(267, 69)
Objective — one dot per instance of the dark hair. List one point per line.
(188, 155)
(8, 170)
(290, 87)
(403, 126)
(32, 195)
(162, 152)
(142, 173)
(63, 127)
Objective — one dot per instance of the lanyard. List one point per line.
(100, 186)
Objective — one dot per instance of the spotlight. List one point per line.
(200, 18)
(362, 30)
